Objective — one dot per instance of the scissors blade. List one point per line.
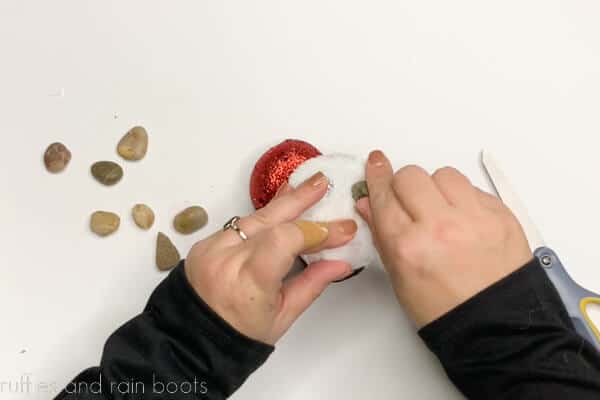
(512, 201)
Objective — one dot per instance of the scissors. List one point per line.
(575, 297)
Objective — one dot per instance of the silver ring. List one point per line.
(233, 224)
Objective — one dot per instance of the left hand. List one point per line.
(242, 281)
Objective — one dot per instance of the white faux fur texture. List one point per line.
(343, 171)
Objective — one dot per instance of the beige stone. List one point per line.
(134, 144)
(143, 216)
(103, 223)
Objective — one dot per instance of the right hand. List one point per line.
(441, 239)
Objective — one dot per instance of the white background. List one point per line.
(216, 83)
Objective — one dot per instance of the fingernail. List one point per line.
(347, 226)
(376, 158)
(317, 180)
(314, 233)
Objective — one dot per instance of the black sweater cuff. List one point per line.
(515, 340)
(181, 313)
(178, 348)
(526, 289)
(177, 306)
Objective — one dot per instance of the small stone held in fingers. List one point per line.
(360, 190)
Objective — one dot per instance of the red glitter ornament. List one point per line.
(274, 168)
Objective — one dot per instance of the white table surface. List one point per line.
(217, 82)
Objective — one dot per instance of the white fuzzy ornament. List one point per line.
(343, 171)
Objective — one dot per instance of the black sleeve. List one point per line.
(514, 340)
(178, 348)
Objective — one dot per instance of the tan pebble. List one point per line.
(103, 223)
(143, 216)
(56, 157)
(167, 255)
(134, 144)
(190, 220)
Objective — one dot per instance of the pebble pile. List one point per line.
(133, 146)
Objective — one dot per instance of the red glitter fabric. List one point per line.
(274, 168)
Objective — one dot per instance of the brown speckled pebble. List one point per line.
(56, 157)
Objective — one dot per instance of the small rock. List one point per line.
(143, 216)
(167, 255)
(56, 157)
(107, 172)
(190, 220)
(360, 190)
(134, 144)
(103, 223)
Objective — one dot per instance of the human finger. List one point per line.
(273, 251)
(417, 192)
(301, 291)
(287, 206)
(386, 212)
(456, 188)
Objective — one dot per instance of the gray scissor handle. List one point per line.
(572, 294)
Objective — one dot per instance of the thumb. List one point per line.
(299, 293)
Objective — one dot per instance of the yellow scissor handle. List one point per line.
(583, 308)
